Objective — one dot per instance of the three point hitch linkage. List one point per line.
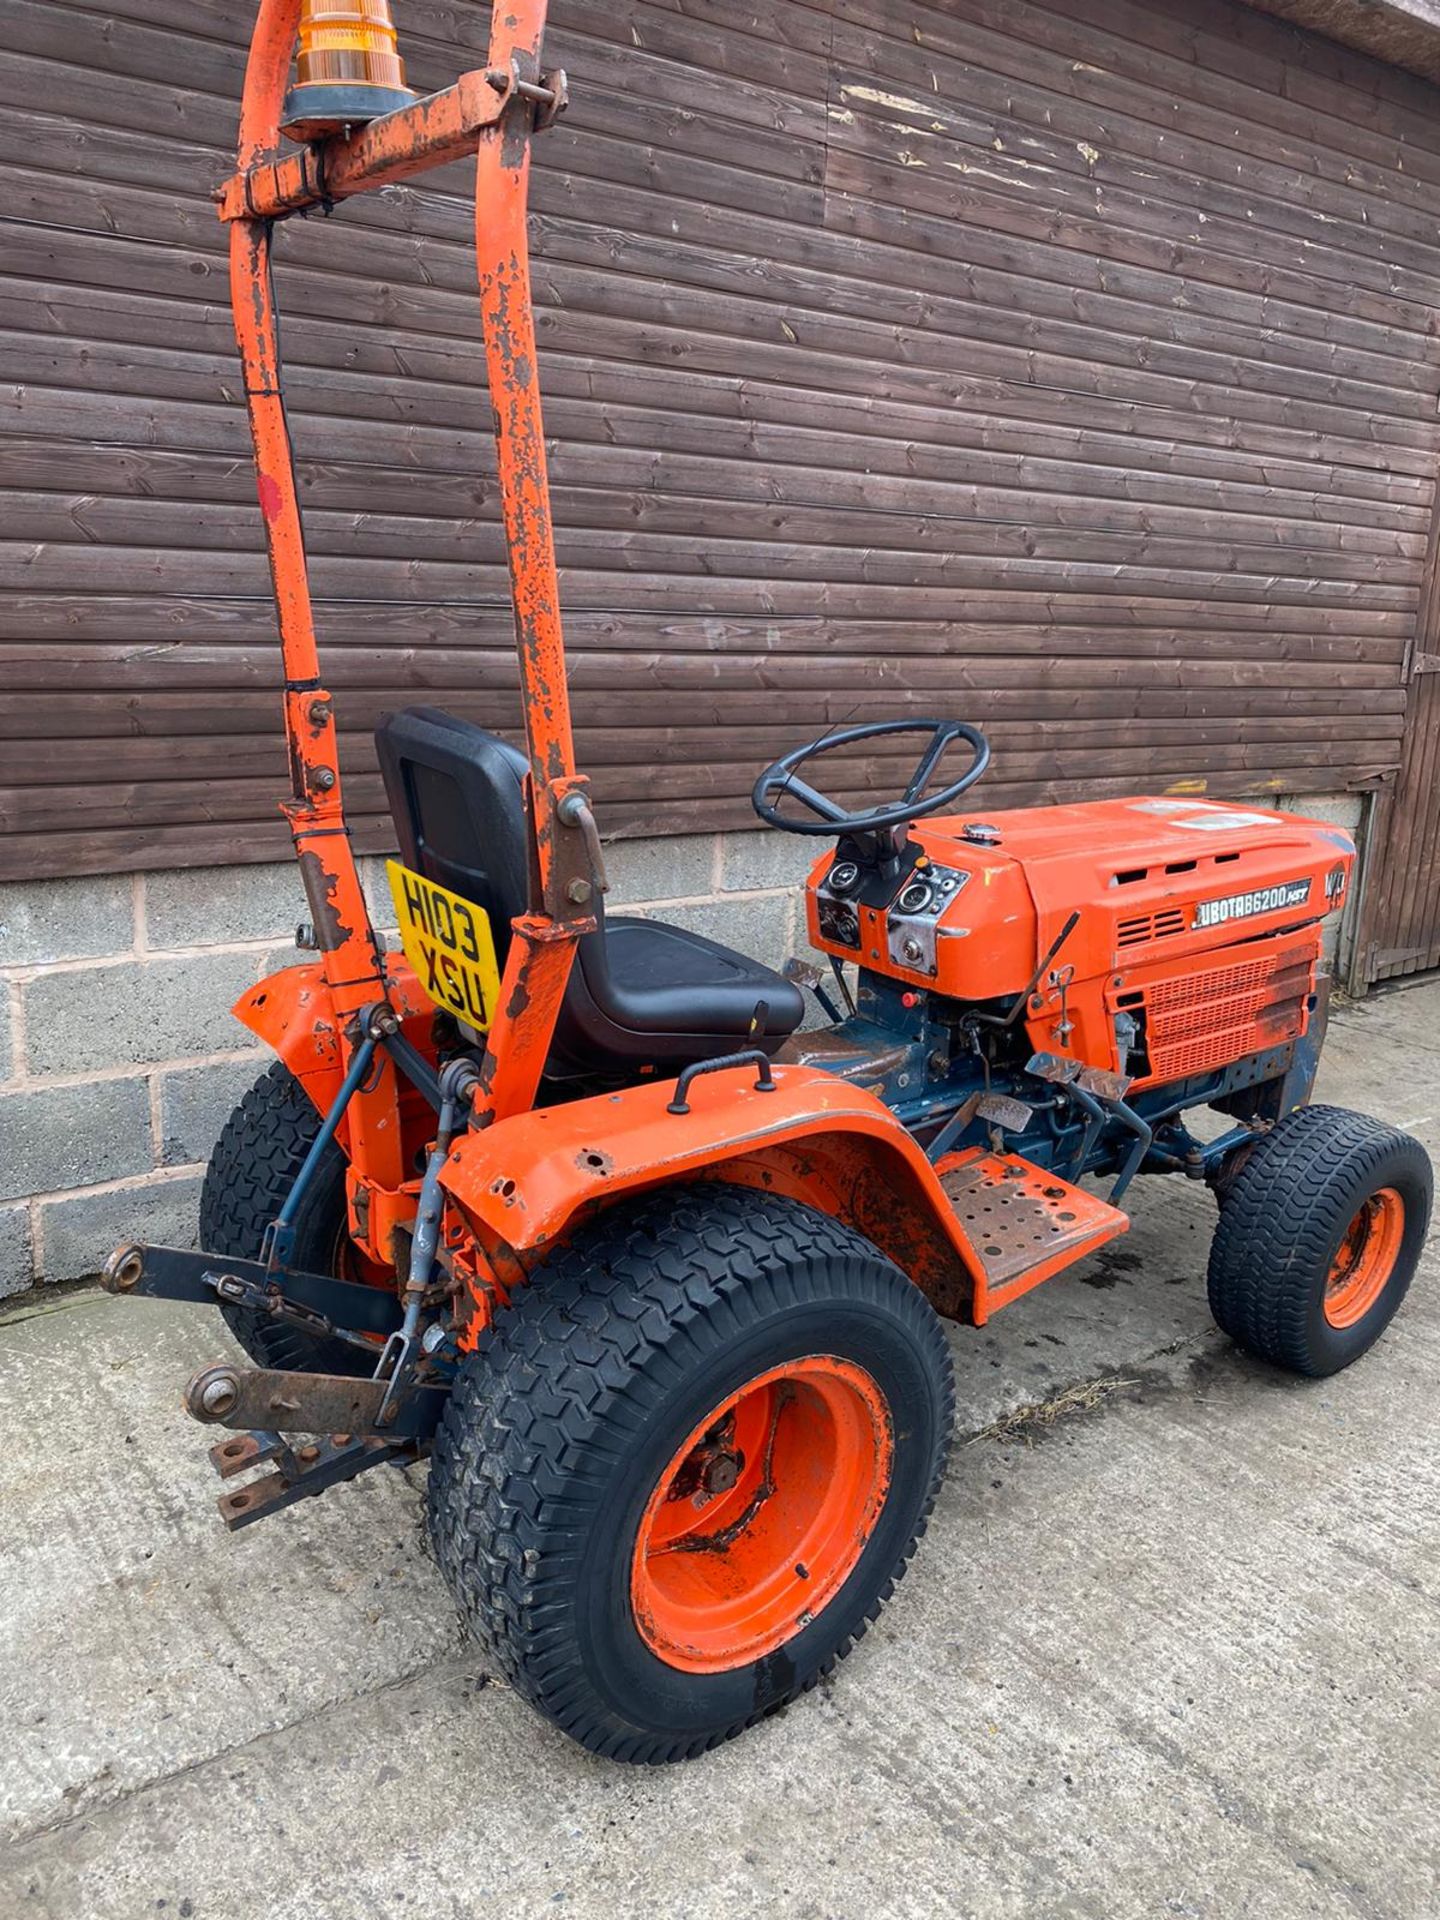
(357, 1422)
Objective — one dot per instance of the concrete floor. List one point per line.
(1171, 1655)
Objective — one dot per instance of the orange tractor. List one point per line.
(570, 1202)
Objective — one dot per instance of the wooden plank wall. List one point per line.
(1399, 921)
(1078, 379)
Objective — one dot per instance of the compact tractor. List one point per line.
(580, 1208)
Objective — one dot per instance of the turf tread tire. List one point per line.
(1281, 1222)
(565, 1379)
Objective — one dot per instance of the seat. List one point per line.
(641, 994)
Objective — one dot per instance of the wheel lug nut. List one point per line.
(721, 1472)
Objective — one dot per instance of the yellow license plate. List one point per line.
(447, 941)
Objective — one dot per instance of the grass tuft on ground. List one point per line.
(1027, 1423)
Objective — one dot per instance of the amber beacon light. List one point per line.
(348, 68)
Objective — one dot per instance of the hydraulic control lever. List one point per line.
(1017, 1006)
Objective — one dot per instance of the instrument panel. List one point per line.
(852, 906)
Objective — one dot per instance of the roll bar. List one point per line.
(493, 111)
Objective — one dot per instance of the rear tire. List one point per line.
(683, 1471)
(254, 1165)
(1318, 1239)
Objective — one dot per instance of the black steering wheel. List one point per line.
(781, 779)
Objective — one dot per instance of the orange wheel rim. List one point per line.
(761, 1514)
(1365, 1258)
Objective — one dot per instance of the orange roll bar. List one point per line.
(495, 111)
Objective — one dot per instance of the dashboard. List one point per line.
(858, 910)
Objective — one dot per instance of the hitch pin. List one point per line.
(551, 95)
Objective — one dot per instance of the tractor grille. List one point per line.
(1144, 927)
(1205, 1019)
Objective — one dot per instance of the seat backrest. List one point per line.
(457, 798)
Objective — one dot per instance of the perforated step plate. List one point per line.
(1023, 1223)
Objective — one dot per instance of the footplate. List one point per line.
(1023, 1223)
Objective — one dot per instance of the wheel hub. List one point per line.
(1365, 1258)
(761, 1514)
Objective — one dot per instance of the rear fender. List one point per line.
(525, 1183)
(293, 1012)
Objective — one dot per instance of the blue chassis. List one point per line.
(1062, 1138)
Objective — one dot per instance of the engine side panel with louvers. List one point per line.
(1249, 996)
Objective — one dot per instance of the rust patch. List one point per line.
(320, 887)
(593, 1160)
(867, 1187)
(519, 1002)
(841, 1055)
(515, 129)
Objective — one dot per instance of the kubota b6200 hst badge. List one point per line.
(448, 942)
(1244, 906)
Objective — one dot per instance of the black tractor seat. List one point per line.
(641, 994)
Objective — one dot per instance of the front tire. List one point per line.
(1318, 1239)
(681, 1474)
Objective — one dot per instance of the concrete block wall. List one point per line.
(120, 1062)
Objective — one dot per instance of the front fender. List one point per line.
(528, 1181)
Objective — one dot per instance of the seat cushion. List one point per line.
(664, 979)
(647, 994)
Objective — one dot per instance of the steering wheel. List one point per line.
(781, 780)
